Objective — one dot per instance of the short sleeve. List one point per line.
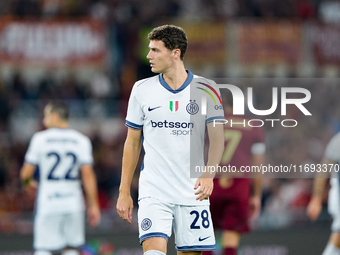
(86, 157)
(135, 115)
(32, 154)
(333, 149)
(214, 103)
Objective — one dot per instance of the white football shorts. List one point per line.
(192, 225)
(57, 231)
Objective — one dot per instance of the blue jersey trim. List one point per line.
(154, 234)
(196, 248)
(142, 168)
(37, 176)
(133, 125)
(185, 84)
(211, 119)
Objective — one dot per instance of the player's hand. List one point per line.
(254, 207)
(31, 187)
(314, 208)
(93, 216)
(124, 207)
(206, 186)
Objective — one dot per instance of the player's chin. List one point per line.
(155, 70)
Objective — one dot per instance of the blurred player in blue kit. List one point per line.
(331, 157)
(64, 159)
(163, 116)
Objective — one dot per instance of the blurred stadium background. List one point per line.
(90, 52)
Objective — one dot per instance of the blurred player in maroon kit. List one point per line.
(236, 201)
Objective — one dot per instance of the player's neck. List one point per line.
(62, 125)
(175, 77)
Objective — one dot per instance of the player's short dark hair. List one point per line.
(61, 109)
(172, 36)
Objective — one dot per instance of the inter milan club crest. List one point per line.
(146, 224)
(192, 107)
(174, 106)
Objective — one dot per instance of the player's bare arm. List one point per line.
(26, 173)
(255, 200)
(132, 148)
(315, 205)
(216, 148)
(90, 186)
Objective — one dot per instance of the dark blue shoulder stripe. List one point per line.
(217, 118)
(133, 125)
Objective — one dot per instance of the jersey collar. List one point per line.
(185, 84)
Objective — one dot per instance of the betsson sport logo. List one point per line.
(177, 128)
(239, 103)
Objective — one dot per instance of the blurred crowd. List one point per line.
(284, 200)
(146, 11)
(127, 11)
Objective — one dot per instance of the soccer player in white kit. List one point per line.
(331, 157)
(164, 116)
(64, 159)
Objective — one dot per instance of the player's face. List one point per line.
(160, 58)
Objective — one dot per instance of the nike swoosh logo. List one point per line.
(202, 239)
(151, 109)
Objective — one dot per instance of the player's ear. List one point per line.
(55, 117)
(176, 53)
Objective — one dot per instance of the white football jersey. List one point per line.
(174, 126)
(333, 153)
(59, 153)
